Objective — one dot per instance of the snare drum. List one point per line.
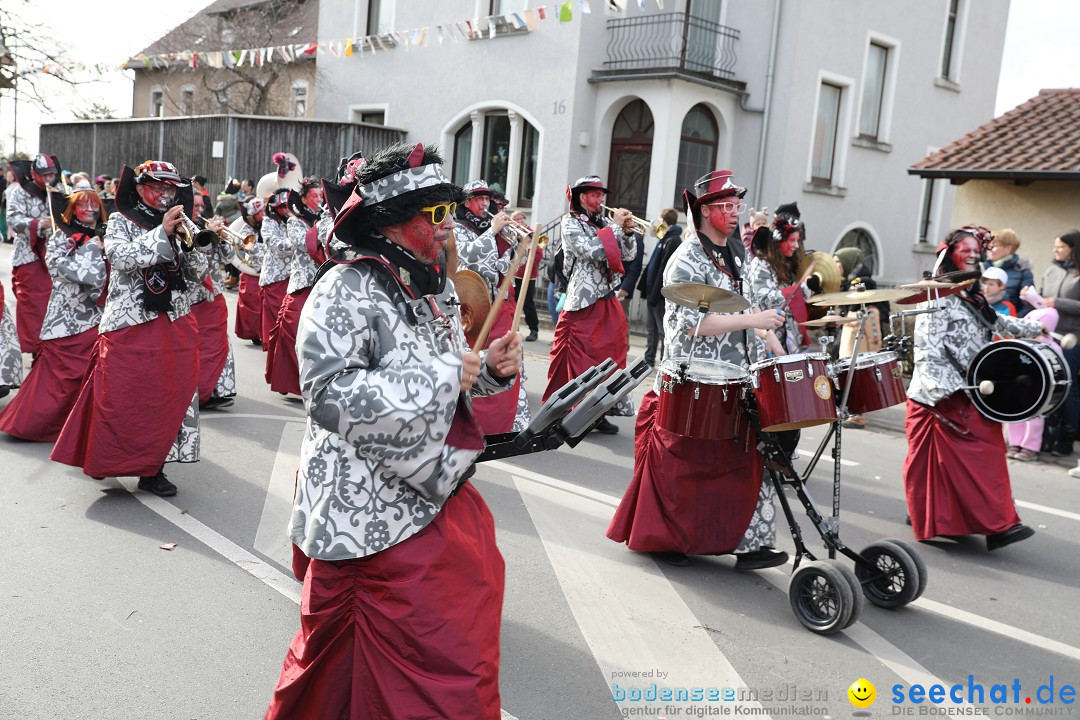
(1030, 380)
(793, 391)
(702, 402)
(876, 383)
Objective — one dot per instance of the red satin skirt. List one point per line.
(49, 391)
(955, 475)
(248, 325)
(282, 366)
(409, 632)
(584, 338)
(270, 299)
(687, 495)
(137, 388)
(496, 412)
(32, 285)
(213, 319)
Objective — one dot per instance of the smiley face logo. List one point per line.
(862, 693)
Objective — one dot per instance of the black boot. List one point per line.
(1063, 446)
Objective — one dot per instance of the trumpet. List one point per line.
(643, 226)
(191, 234)
(660, 229)
(524, 233)
(236, 239)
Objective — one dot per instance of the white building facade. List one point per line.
(847, 94)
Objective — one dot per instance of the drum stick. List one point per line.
(526, 281)
(806, 276)
(504, 286)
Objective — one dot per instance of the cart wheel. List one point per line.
(856, 592)
(821, 597)
(895, 582)
(919, 564)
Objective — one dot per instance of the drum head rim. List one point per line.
(1043, 404)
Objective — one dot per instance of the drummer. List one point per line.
(956, 478)
(690, 496)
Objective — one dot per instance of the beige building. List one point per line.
(167, 85)
(1020, 170)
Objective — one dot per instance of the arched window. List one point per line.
(697, 149)
(859, 238)
(509, 150)
(631, 155)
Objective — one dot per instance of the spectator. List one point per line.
(652, 282)
(1002, 254)
(625, 291)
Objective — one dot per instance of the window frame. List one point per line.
(843, 130)
(187, 100)
(953, 35)
(159, 93)
(473, 127)
(889, 80)
(714, 144)
(375, 8)
(293, 88)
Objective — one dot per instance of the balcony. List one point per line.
(670, 45)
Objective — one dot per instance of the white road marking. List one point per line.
(806, 454)
(300, 417)
(1049, 510)
(628, 612)
(271, 538)
(216, 542)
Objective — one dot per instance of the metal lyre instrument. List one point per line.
(644, 226)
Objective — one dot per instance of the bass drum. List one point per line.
(1030, 379)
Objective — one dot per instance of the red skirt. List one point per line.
(687, 495)
(248, 309)
(282, 367)
(496, 412)
(584, 338)
(49, 391)
(409, 632)
(138, 386)
(32, 285)
(213, 319)
(270, 298)
(955, 475)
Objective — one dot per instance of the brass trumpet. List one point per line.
(523, 233)
(191, 234)
(643, 226)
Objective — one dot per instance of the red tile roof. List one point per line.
(1039, 140)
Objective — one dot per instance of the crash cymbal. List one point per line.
(931, 293)
(697, 297)
(927, 283)
(830, 321)
(859, 297)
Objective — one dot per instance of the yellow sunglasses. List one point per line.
(438, 213)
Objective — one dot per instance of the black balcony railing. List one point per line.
(671, 42)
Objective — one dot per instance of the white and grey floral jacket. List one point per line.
(131, 250)
(22, 209)
(585, 262)
(766, 293)
(946, 341)
(691, 264)
(381, 394)
(480, 253)
(278, 252)
(78, 279)
(302, 267)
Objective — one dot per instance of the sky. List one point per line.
(1033, 58)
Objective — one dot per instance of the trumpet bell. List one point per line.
(660, 230)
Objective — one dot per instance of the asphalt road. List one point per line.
(99, 622)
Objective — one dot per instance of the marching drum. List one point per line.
(1029, 379)
(876, 383)
(702, 401)
(793, 391)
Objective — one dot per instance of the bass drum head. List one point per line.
(1026, 377)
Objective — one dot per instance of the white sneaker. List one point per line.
(1074, 472)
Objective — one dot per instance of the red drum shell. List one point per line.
(876, 384)
(794, 391)
(703, 405)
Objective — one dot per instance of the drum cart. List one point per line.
(825, 594)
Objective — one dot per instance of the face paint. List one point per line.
(790, 245)
(312, 198)
(424, 240)
(86, 211)
(477, 204)
(591, 200)
(157, 195)
(965, 254)
(720, 220)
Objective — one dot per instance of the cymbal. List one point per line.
(697, 297)
(859, 297)
(931, 293)
(830, 321)
(927, 283)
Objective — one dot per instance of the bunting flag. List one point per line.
(527, 18)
